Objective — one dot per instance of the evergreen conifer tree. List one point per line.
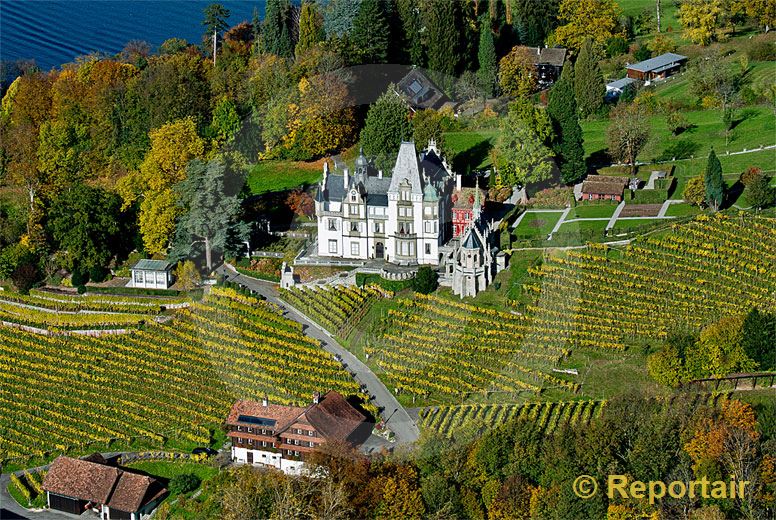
(443, 36)
(567, 144)
(486, 55)
(712, 179)
(370, 33)
(589, 85)
(410, 27)
(387, 125)
(275, 33)
(310, 28)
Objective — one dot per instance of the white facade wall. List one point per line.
(150, 279)
(268, 458)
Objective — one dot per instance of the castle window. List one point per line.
(355, 251)
(332, 246)
(332, 224)
(428, 249)
(354, 226)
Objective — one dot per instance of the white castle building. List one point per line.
(404, 219)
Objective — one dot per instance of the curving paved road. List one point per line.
(396, 417)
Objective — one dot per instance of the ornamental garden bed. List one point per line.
(641, 210)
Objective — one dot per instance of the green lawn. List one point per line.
(471, 148)
(678, 87)
(580, 225)
(682, 210)
(519, 263)
(635, 223)
(166, 470)
(756, 126)
(667, 12)
(592, 211)
(268, 176)
(537, 225)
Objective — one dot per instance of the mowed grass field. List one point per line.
(755, 126)
(269, 176)
(535, 225)
(668, 10)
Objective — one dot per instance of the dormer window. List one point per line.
(353, 196)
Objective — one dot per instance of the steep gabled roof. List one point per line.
(101, 484)
(334, 417)
(406, 168)
(471, 240)
(132, 491)
(81, 479)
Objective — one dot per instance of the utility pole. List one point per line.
(215, 39)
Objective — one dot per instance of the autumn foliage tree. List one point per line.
(627, 134)
(301, 203)
(516, 73)
(172, 147)
(587, 19)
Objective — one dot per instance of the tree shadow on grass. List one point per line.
(680, 149)
(468, 159)
(598, 159)
(732, 194)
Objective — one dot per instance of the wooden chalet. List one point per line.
(659, 67)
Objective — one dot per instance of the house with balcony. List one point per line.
(280, 436)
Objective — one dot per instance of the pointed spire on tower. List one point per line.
(477, 207)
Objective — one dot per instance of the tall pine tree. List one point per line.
(589, 83)
(371, 33)
(275, 33)
(310, 28)
(486, 55)
(443, 39)
(567, 144)
(712, 180)
(387, 125)
(411, 44)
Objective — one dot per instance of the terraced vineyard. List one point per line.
(446, 420)
(711, 267)
(442, 350)
(46, 310)
(336, 309)
(96, 390)
(433, 347)
(546, 416)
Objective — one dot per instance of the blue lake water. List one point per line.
(53, 32)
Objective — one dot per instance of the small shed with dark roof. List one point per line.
(151, 274)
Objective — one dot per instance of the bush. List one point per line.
(98, 274)
(81, 289)
(616, 46)
(363, 279)
(79, 277)
(760, 49)
(426, 280)
(183, 483)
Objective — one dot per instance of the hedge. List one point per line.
(135, 291)
(390, 285)
(257, 275)
(646, 196)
